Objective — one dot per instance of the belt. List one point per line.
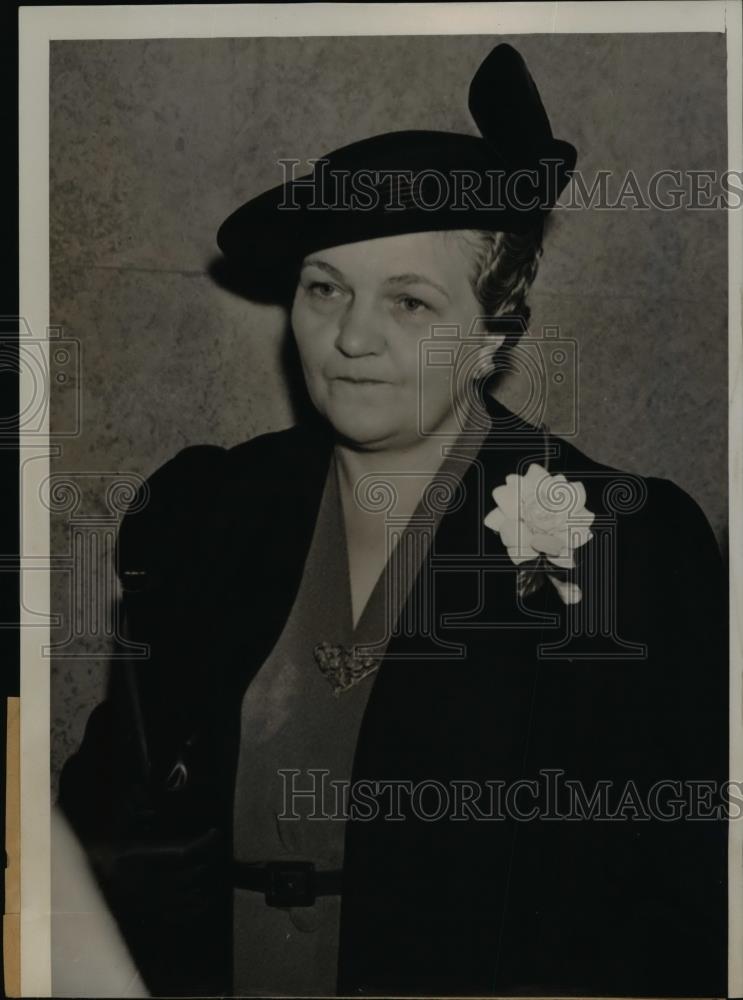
(287, 883)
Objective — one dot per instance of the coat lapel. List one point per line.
(272, 503)
(269, 506)
(468, 616)
(452, 704)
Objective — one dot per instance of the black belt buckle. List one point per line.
(290, 883)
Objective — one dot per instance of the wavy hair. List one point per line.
(504, 266)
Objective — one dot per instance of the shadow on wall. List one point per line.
(277, 292)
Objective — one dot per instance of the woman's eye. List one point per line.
(411, 304)
(322, 289)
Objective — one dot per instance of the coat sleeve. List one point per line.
(635, 902)
(682, 921)
(157, 853)
(158, 562)
(693, 600)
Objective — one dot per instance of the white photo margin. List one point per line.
(40, 25)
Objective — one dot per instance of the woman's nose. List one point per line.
(360, 331)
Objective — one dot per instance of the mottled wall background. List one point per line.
(153, 143)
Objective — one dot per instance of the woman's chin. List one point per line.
(364, 437)
(362, 430)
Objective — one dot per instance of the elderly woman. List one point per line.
(426, 686)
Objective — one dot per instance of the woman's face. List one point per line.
(360, 314)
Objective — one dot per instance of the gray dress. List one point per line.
(298, 735)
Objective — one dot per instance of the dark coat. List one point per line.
(628, 687)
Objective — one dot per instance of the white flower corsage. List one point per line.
(541, 520)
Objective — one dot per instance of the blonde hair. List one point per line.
(504, 266)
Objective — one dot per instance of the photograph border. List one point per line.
(40, 25)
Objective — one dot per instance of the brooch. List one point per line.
(541, 519)
(342, 667)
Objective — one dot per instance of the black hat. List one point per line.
(506, 179)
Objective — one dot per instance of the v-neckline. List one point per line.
(463, 450)
(353, 628)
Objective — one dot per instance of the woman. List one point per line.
(426, 684)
